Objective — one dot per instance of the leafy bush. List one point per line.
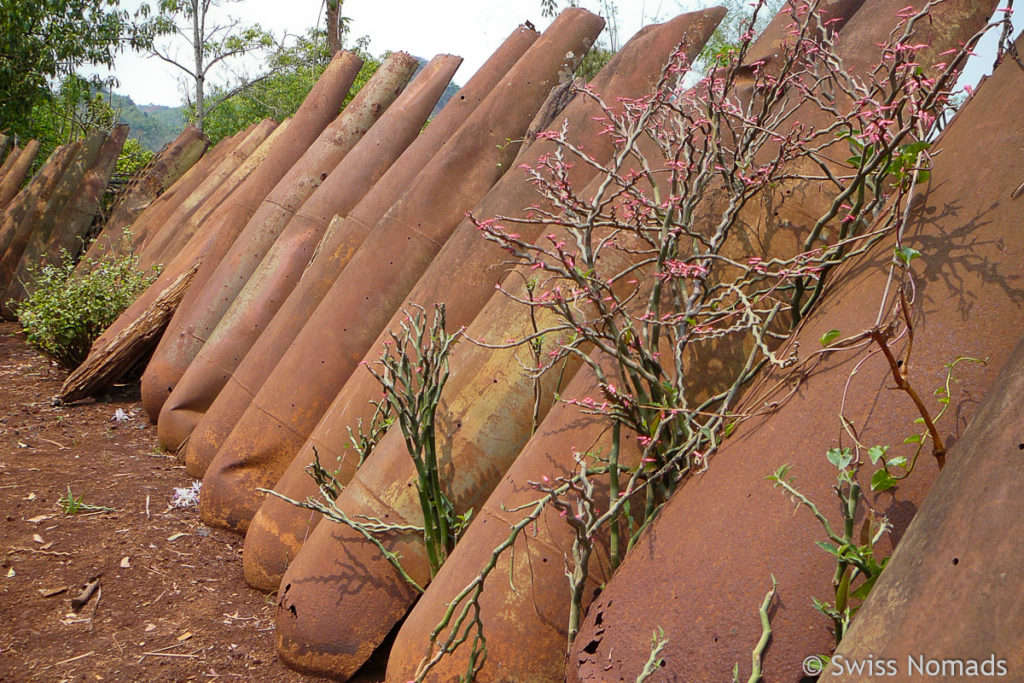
(291, 74)
(133, 159)
(65, 313)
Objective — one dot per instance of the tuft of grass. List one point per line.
(71, 504)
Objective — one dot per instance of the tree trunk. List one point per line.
(334, 26)
(198, 30)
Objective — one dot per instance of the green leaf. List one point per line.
(861, 592)
(843, 590)
(882, 481)
(915, 148)
(828, 547)
(829, 337)
(840, 457)
(823, 607)
(916, 438)
(906, 254)
(779, 474)
(898, 461)
(876, 453)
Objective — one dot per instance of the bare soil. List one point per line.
(171, 603)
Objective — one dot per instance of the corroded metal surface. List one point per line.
(5, 167)
(509, 612)
(281, 268)
(189, 255)
(77, 217)
(707, 591)
(955, 559)
(341, 330)
(169, 166)
(209, 246)
(16, 172)
(475, 454)
(463, 276)
(525, 626)
(203, 306)
(197, 224)
(316, 112)
(20, 217)
(319, 108)
(342, 238)
(163, 233)
(46, 222)
(143, 227)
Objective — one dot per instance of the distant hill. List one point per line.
(154, 125)
(448, 93)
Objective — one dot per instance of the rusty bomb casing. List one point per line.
(965, 307)
(341, 240)
(285, 261)
(203, 306)
(317, 110)
(170, 165)
(463, 276)
(415, 229)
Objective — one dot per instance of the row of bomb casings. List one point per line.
(57, 207)
(457, 146)
(296, 380)
(55, 210)
(17, 161)
(202, 224)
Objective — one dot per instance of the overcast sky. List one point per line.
(472, 29)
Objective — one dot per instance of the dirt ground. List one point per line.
(171, 603)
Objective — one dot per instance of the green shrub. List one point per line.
(65, 313)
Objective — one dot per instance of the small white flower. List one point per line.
(120, 416)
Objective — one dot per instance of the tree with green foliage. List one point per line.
(153, 125)
(595, 59)
(728, 34)
(45, 42)
(134, 158)
(291, 74)
(70, 111)
(212, 45)
(609, 10)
